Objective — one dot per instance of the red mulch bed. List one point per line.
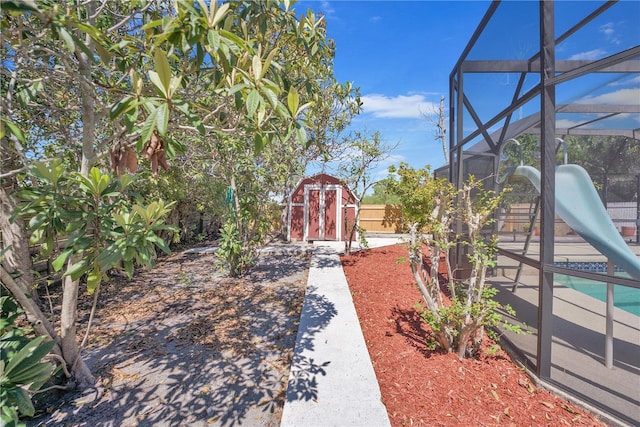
(431, 388)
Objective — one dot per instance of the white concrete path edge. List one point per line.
(332, 381)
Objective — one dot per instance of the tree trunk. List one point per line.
(16, 259)
(69, 342)
(35, 316)
(15, 239)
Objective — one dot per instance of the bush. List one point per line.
(232, 255)
(21, 368)
(459, 316)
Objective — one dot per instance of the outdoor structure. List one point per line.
(564, 76)
(320, 208)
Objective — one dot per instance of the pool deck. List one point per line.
(565, 251)
(579, 324)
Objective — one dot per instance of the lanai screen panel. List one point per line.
(558, 76)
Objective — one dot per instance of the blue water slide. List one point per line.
(578, 204)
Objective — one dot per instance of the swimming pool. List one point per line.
(624, 297)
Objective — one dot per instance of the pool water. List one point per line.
(624, 297)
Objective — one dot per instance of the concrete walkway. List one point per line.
(332, 381)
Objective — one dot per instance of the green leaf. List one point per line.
(293, 100)
(109, 258)
(173, 147)
(162, 68)
(12, 129)
(157, 82)
(130, 253)
(83, 47)
(47, 245)
(28, 355)
(149, 126)
(21, 398)
(151, 25)
(303, 107)
(214, 40)
(34, 375)
(120, 219)
(128, 268)
(219, 14)
(122, 106)
(19, 6)
(258, 144)
(271, 96)
(253, 99)
(235, 88)
(41, 170)
(267, 62)
(301, 135)
(160, 243)
(67, 39)
(174, 85)
(163, 119)
(104, 54)
(257, 67)
(58, 263)
(76, 270)
(234, 39)
(93, 280)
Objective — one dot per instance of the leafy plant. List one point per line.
(87, 83)
(21, 368)
(231, 254)
(362, 153)
(102, 229)
(459, 312)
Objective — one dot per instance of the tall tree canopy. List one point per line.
(228, 90)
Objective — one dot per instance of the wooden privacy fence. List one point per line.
(381, 218)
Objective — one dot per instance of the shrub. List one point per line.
(459, 312)
(21, 368)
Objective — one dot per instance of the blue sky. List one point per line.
(400, 54)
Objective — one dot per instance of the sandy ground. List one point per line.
(182, 345)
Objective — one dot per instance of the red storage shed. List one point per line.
(320, 208)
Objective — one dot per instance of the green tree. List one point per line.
(459, 311)
(611, 162)
(362, 153)
(381, 195)
(89, 81)
(415, 190)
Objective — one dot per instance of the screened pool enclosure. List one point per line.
(545, 100)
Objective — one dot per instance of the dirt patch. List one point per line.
(182, 345)
(424, 387)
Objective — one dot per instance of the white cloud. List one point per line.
(622, 96)
(328, 9)
(375, 19)
(626, 81)
(398, 107)
(588, 55)
(610, 34)
(607, 29)
(566, 124)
